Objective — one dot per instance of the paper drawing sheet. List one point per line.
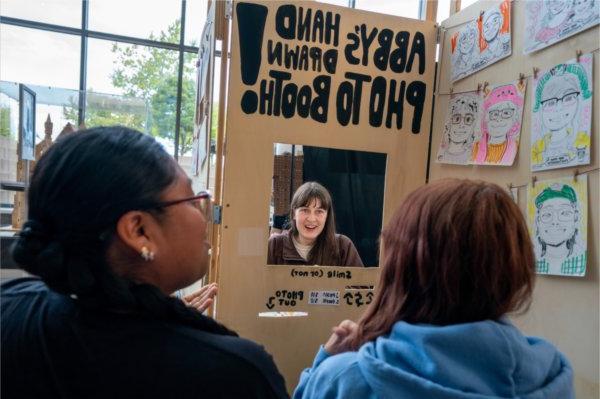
(550, 21)
(557, 216)
(562, 115)
(502, 115)
(482, 42)
(461, 129)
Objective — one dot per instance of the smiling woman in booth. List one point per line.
(312, 239)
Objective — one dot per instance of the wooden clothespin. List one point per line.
(478, 87)
(481, 14)
(535, 72)
(578, 55)
(451, 90)
(533, 180)
(510, 187)
(575, 174)
(485, 86)
(521, 78)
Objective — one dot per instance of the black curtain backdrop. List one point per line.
(356, 181)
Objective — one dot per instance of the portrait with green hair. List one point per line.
(561, 70)
(562, 115)
(558, 215)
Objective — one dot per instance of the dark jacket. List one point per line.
(52, 347)
(283, 252)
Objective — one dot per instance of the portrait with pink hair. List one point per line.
(500, 125)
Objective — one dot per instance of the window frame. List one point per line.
(84, 33)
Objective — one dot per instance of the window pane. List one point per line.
(443, 11)
(159, 19)
(110, 109)
(58, 12)
(144, 75)
(405, 8)
(343, 3)
(188, 112)
(195, 17)
(9, 121)
(59, 105)
(32, 56)
(205, 181)
(466, 3)
(188, 103)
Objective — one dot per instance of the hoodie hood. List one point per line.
(487, 359)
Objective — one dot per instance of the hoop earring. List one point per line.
(146, 254)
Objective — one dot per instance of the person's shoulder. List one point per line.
(348, 252)
(341, 367)
(229, 344)
(338, 376)
(23, 286)
(280, 237)
(341, 363)
(235, 353)
(343, 240)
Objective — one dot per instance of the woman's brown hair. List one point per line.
(325, 252)
(455, 251)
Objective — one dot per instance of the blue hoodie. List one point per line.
(487, 359)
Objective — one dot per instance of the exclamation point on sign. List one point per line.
(251, 26)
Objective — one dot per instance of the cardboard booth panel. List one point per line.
(355, 182)
(321, 76)
(305, 61)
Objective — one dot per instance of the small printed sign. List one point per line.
(324, 298)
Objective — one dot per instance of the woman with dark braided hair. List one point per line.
(113, 229)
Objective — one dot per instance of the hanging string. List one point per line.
(524, 76)
(446, 28)
(578, 173)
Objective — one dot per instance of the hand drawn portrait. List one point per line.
(461, 129)
(557, 215)
(562, 116)
(550, 21)
(482, 42)
(464, 54)
(500, 125)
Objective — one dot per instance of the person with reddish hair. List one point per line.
(457, 259)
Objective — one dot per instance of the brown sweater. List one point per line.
(283, 252)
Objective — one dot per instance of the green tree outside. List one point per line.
(150, 73)
(5, 122)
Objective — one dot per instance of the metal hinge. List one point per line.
(217, 213)
(228, 9)
(438, 34)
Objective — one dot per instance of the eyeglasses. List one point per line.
(505, 113)
(565, 214)
(467, 119)
(567, 99)
(201, 201)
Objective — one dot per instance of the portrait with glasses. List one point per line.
(500, 125)
(462, 128)
(482, 41)
(558, 218)
(464, 51)
(562, 115)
